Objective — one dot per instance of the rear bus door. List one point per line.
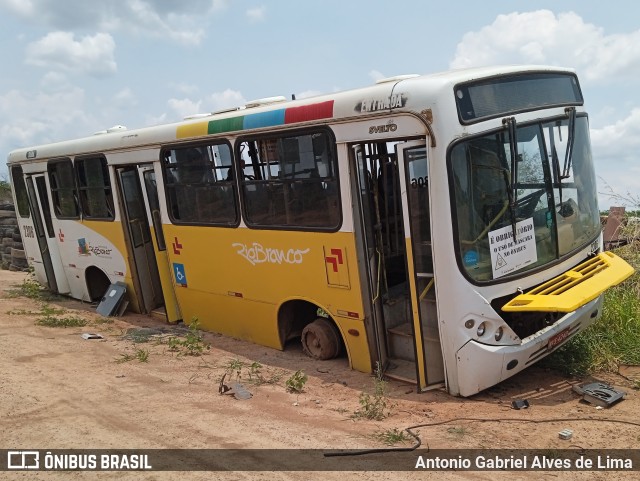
(38, 192)
(142, 258)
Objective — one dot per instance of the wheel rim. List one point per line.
(320, 340)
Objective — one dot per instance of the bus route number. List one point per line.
(419, 182)
(28, 231)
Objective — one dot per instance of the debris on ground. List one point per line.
(599, 394)
(237, 390)
(565, 434)
(519, 404)
(91, 335)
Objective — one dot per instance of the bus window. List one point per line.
(63, 189)
(20, 190)
(199, 185)
(95, 188)
(290, 181)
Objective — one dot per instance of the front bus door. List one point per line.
(396, 264)
(146, 278)
(414, 169)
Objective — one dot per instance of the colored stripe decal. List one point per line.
(292, 115)
(264, 119)
(322, 110)
(192, 130)
(225, 125)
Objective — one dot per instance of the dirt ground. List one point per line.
(60, 391)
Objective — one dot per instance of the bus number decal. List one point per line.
(257, 254)
(28, 231)
(419, 182)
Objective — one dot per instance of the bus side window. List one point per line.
(197, 186)
(94, 185)
(293, 181)
(63, 189)
(20, 190)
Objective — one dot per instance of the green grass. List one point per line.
(32, 289)
(612, 340)
(192, 344)
(142, 355)
(374, 406)
(391, 437)
(53, 321)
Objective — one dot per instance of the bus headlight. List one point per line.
(499, 333)
(481, 329)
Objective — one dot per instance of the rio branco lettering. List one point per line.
(256, 253)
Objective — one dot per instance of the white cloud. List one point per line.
(621, 139)
(219, 5)
(615, 149)
(125, 99)
(546, 38)
(185, 88)
(181, 108)
(225, 100)
(92, 55)
(156, 120)
(376, 75)
(147, 18)
(24, 8)
(173, 19)
(41, 117)
(257, 14)
(54, 81)
(184, 107)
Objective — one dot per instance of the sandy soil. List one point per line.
(59, 391)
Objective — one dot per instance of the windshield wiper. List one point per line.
(568, 156)
(512, 190)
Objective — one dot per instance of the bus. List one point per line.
(441, 228)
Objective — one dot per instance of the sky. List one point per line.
(74, 67)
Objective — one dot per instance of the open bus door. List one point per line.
(152, 203)
(394, 228)
(142, 259)
(369, 256)
(37, 191)
(414, 181)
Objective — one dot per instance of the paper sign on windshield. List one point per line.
(508, 256)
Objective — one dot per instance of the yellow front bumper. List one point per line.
(574, 288)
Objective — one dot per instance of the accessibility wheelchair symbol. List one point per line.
(180, 274)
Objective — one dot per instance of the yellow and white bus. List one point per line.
(444, 226)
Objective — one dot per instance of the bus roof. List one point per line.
(397, 94)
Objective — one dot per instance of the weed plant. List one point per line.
(374, 406)
(391, 437)
(32, 289)
(53, 321)
(295, 384)
(192, 344)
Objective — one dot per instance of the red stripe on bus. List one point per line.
(323, 110)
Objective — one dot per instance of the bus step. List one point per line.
(401, 342)
(159, 313)
(401, 370)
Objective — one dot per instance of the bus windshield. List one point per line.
(551, 208)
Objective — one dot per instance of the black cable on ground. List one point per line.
(480, 420)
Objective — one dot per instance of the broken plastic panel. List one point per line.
(112, 300)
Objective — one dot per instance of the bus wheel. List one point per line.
(321, 339)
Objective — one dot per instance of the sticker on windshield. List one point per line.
(508, 256)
